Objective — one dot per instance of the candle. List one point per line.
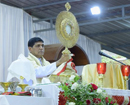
(101, 68)
(125, 70)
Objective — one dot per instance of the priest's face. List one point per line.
(37, 49)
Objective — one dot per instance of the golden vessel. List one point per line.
(23, 87)
(5, 85)
(67, 28)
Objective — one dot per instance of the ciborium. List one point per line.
(125, 69)
(5, 85)
(13, 86)
(101, 69)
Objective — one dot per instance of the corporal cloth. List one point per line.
(22, 67)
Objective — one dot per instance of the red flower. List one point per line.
(88, 102)
(94, 86)
(111, 102)
(66, 84)
(106, 99)
(62, 98)
(97, 100)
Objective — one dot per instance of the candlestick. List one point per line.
(101, 69)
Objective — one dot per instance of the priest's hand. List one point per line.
(64, 58)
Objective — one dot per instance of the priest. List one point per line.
(42, 67)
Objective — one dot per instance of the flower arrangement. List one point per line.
(81, 94)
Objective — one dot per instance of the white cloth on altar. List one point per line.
(25, 100)
(50, 90)
(45, 80)
(3, 100)
(117, 92)
(22, 67)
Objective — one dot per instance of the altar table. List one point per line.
(50, 92)
(112, 78)
(24, 100)
(121, 96)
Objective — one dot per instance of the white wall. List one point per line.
(15, 30)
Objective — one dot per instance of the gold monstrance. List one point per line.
(67, 28)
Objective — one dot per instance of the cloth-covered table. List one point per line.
(25, 100)
(112, 78)
(121, 96)
(50, 91)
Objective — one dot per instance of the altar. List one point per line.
(50, 96)
(25, 100)
(121, 96)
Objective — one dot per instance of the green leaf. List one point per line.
(83, 93)
(76, 78)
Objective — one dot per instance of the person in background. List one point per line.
(42, 67)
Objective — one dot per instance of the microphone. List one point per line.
(103, 54)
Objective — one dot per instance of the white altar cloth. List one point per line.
(117, 92)
(50, 90)
(3, 100)
(24, 100)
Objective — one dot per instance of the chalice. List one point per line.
(22, 85)
(5, 85)
(101, 69)
(125, 69)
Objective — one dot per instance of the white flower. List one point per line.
(99, 90)
(71, 103)
(74, 86)
(72, 78)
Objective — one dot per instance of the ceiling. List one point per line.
(111, 28)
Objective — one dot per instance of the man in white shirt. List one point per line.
(42, 67)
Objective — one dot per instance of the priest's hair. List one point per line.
(33, 40)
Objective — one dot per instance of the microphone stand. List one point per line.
(103, 54)
(117, 61)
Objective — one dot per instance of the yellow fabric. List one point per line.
(64, 75)
(36, 63)
(112, 78)
(53, 78)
